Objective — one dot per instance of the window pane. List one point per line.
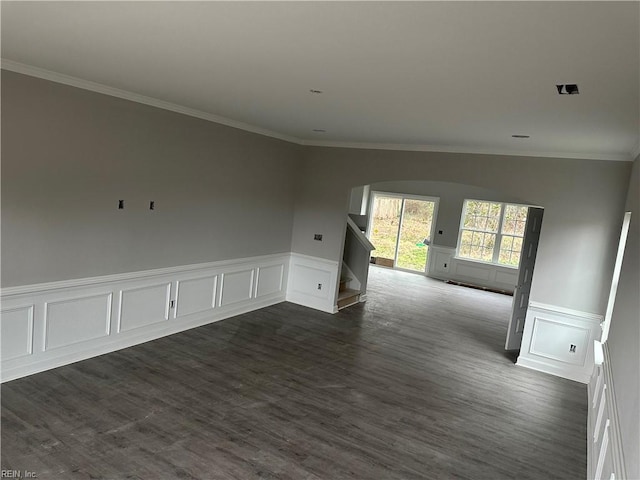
(510, 218)
(476, 239)
(510, 248)
(496, 210)
(509, 226)
(504, 257)
(520, 218)
(465, 239)
(517, 244)
(469, 221)
(416, 226)
(492, 224)
(506, 243)
(384, 227)
(489, 240)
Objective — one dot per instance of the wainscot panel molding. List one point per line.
(48, 325)
(444, 265)
(313, 282)
(559, 341)
(605, 459)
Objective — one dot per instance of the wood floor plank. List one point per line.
(413, 384)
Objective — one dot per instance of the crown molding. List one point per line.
(30, 70)
(136, 97)
(469, 150)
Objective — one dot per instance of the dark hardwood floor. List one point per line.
(413, 384)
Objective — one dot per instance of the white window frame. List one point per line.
(498, 233)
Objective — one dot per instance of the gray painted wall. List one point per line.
(582, 201)
(69, 155)
(624, 335)
(452, 196)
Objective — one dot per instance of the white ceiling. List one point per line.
(443, 76)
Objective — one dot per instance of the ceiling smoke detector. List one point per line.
(567, 89)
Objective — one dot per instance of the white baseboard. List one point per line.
(49, 325)
(559, 341)
(605, 459)
(553, 369)
(313, 282)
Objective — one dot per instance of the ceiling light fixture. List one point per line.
(521, 136)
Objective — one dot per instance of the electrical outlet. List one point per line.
(572, 348)
(319, 286)
(445, 265)
(318, 237)
(120, 204)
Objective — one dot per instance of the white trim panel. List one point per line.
(559, 341)
(195, 295)
(16, 332)
(236, 287)
(76, 320)
(143, 306)
(63, 322)
(269, 280)
(313, 282)
(444, 265)
(605, 459)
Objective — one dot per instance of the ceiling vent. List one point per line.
(567, 89)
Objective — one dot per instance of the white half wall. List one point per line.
(444, 265)
(48, 325)
(313, 282)
(559, 341)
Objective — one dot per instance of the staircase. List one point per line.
(355, 266)
(347, 296)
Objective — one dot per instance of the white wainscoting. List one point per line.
(444, 265)
(76, 320)
(559, 341)
(17, 332)
(313, 282)
(48, 325)
(604, 445)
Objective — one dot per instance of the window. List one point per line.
(492, 232)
